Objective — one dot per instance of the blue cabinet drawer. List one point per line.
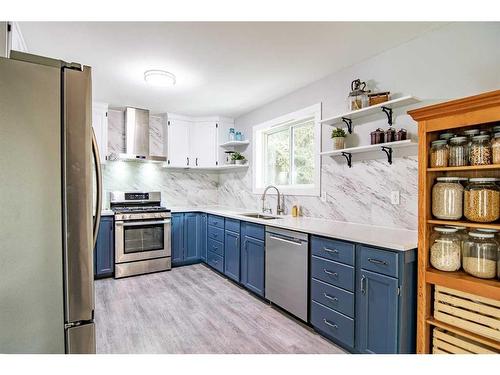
(333, 297)
(215, 261)
(256, 231)
(216, 221)
(332, 323)
(334, 273)
(215, 247)
(233, 225)
(380, 261)
(338, 251)
(216, 233)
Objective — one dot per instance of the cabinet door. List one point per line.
(104, 249)
(177, 238)
(376, 313)
(232, 255)
(202, 237)
(100, 126)
(252, 265)
(203, 144)
(191, 225)
(178, 143)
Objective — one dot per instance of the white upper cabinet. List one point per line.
(193, 142)
(178, 141)
(100, 125)
(203, 144)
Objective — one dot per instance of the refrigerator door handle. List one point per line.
(98, 208)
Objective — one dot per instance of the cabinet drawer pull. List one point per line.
(377, 261)
(330, 324)
(334, 274)
(333, 251)
(334, 299)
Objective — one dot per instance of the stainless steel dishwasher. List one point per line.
(287, 270)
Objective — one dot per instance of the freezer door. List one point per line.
(81, 339)
(77, 124)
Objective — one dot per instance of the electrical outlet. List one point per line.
(395, 197)
(323, 196)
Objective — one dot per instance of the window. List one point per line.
(286, 153)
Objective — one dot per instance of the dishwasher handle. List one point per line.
(290, 240)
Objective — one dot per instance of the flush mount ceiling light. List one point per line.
(159, 78)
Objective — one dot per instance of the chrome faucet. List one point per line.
(279, 209)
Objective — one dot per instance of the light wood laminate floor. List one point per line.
(193, 309)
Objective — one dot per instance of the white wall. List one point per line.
(456, 60)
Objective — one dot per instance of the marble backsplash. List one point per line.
(358, 195)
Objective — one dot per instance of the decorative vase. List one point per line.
(338, 143)
(240, 162)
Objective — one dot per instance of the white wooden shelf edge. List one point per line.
(377, 108)
(234, 143)
(217, 168)
(369, 148)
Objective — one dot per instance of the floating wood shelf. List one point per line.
(488, 288)
(455, 116)
(234, 144)
(383, 147)
(345, 119)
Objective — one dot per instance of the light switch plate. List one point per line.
(323, 196)
(395, 197)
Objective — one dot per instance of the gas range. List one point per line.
(142, 233)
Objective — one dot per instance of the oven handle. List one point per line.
(140, 223)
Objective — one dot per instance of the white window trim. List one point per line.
(313, 190)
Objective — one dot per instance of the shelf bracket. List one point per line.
(388, 112)
(388, 152)
(348, 158)
(348, 123)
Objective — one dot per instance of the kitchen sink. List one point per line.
(260, 216)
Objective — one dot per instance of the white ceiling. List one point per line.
(223, 69)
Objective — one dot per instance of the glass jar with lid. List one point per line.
(458, 152)
(461, 232)
(480, 255)
(439, 154)
(446, 249)
(446, 136)
(469, 134)
(447, 198)
(480, 150)
(495, 148)
(482, 200)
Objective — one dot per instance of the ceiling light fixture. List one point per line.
(159, 78)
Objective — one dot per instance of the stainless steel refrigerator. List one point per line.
(47, 223)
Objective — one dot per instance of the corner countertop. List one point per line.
(107, 212)
(390, 238)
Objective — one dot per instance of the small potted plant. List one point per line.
(238, 158)
(338, 136)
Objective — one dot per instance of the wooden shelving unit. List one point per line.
(454, 116)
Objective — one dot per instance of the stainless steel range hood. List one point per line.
(137, 137)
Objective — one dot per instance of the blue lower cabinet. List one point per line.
(202, 237)
(104, 249)
(333, 324)
(192, 223)
(189, 238)
(177, 242)
(377, 313)
(215, 261)
(252, 260)
(232, 251)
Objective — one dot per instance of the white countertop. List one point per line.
(391, 238)
(107, 212)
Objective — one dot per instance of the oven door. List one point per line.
(139, 240)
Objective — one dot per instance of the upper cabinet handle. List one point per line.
(187, 159)
(196, 161)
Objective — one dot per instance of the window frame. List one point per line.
(259, 147)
